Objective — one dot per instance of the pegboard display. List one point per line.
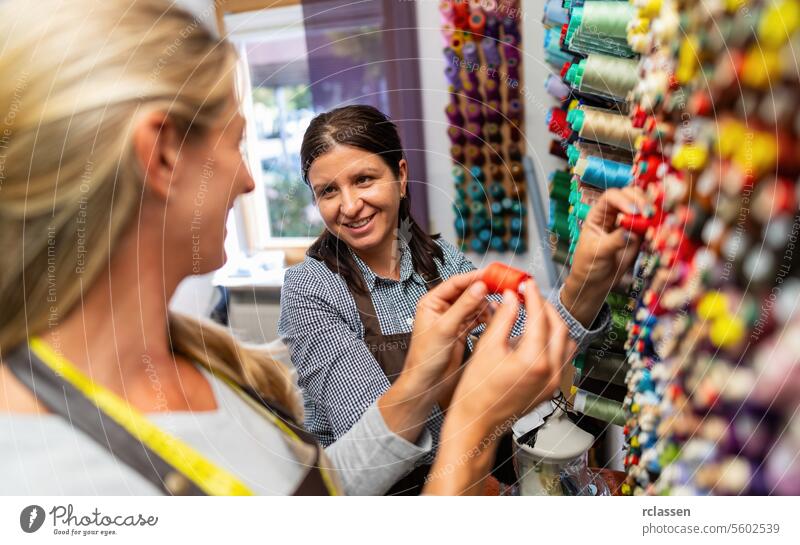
(701, 112)
(485, 112)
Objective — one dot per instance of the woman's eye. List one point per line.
(363, 179)
(327, 191)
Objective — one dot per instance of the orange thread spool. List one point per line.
(499, 277)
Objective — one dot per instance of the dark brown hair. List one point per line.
(368, 129)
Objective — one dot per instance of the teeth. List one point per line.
(358, 224)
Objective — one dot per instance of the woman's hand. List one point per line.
(444, 318)
(500, 383)
(604, 253)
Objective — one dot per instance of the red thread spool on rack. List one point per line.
(499, 277)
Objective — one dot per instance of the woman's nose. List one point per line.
(351, 203)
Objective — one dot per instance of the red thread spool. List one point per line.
(477, 23)
(499, 277)
(635, 224)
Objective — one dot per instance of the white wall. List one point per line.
(435, 98)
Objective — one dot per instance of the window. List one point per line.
(301, 59)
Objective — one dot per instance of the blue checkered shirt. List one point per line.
(320, 324)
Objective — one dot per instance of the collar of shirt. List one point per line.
(406, 268)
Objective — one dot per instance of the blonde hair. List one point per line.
(76, 78)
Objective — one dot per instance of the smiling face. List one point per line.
(358, 196)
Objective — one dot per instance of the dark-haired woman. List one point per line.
(347, 310)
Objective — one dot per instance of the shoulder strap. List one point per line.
(65, 400)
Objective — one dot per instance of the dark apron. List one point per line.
(390, 353)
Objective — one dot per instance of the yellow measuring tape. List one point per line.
(210, 478)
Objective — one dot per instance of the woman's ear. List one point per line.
(403, 167)
(156, 145)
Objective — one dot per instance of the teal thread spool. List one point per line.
(476, 173)
(498, 225)
(497, 209)
(461, 209)
(461, 226)
(478, 208)
(517, 209)
(477, 246)
(458, 175)
(475, 190)
(582, 210)
(477, 223)
(508, 204)
(598, 407)
(485, 235)
(497, 191)
(461, 194)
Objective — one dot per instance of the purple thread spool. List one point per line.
(512, 69)
(494, 112)
(454, 115)
(510, 49)
(453, 76)
(474, 112)
(492, 30)
(490, 52)
(556, 87)
(456, 134)
(473, 133)
(513, 89)
(471, 57)
(455, 99)
(511, 27)
(474, 155)
(492, 89)
(451, 56)
(472, 91)
(474, 81)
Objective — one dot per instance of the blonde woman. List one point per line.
(119, 162)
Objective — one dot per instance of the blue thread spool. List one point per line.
(477, 174)
(485, 235)
(497, 208)
(516, 225)
(461, 227)
(604, 173)
(508, 204)
(497, 244)
(517, 245)
(477, 245)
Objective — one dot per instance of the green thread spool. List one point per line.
(600, 26)
(619, 301)
(559, 225)
(478, 209)
(559, 192)
(603, 75)
(582, 210)
(598, 407)
(458, 175)
(605, 366)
